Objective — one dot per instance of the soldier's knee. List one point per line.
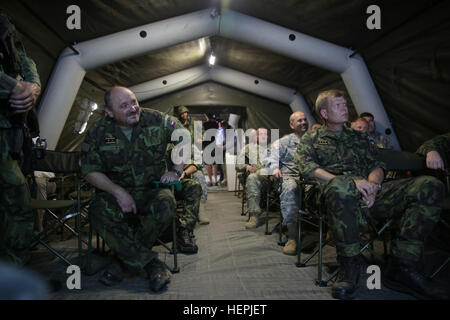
(342, 188)
(427, 188)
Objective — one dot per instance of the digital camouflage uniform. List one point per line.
(257, 181)
(283, 157)
(16, 217)
(133, 165)
(190, 194)
(381, 141)
(416, 201)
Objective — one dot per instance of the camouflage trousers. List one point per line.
(289, 199)
(16, 216)
(256, 183)
(190, 196)
(131, 237)
(415, 202)
(200, 178)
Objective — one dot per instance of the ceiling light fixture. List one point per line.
(212, 59)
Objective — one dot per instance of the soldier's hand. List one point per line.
(277, 174)
(125, 201)
(434, 160)
(370, 199)
(365, 188)
(250, 169)
(169, 177)
(23, 97)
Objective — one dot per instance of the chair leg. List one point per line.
(175, 269)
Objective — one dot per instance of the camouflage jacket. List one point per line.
(131, 164)
(349, 154)
(439, 143)
(29, 74)
(251, 157)
(283, 155)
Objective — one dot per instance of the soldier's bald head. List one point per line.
(122, 106)
(298, 122)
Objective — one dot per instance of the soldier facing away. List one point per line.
(349, 188)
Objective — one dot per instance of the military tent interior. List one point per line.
(272, 58)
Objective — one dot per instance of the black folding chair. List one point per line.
(61, 163)
(395, 161)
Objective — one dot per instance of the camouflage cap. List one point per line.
(181, 110)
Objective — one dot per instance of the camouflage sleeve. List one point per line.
(242, 155)
(371, 155)
(90, 158)
(30, 73)
(7, 83)
(273, 159)
(306, 156)
(440, 143)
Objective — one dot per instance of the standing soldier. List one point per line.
(19, 90)
(283, 165)
(121, 155)
(343, 164)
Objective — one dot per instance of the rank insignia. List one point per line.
(323, 142)
(110, 140)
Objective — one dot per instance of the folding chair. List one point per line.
(395, 161)
(60, 163)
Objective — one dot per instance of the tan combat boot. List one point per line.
(202, 218)
(252, 223)
(290, 248)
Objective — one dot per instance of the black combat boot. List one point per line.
(186, 242)
(158, 275)
(403, 275)
(347, 278)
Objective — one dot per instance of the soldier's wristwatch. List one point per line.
(379, 187)
(179, 173)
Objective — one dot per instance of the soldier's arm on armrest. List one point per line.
(322, 175)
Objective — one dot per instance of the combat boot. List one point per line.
(202, 218)
(253, 222)
(186, 242)
(347, 278)
(290, 248)
(158, 275)
(403, 275)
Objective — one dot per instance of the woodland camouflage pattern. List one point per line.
(440, 144)
(414, 201)
(133, 165)
(16, 217)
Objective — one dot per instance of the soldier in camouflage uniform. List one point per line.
(349, 177)
(282, 163)
(17, 98)
(183, 116)
(258, 176)
(121, 155)
(435, 150)
(190, 194)
(380, 140)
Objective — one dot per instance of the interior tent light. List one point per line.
(87, 107)
(212, 59)
(94, 106)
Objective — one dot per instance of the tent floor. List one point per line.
(232, 264)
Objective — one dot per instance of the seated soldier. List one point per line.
(258, 177)
(190, 194)
(380, 140)
(283, 164)
(360, 124)
(343, 164)
(122, 155)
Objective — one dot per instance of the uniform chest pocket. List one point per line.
(113, 157)
(153, 142)
(327, 154)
